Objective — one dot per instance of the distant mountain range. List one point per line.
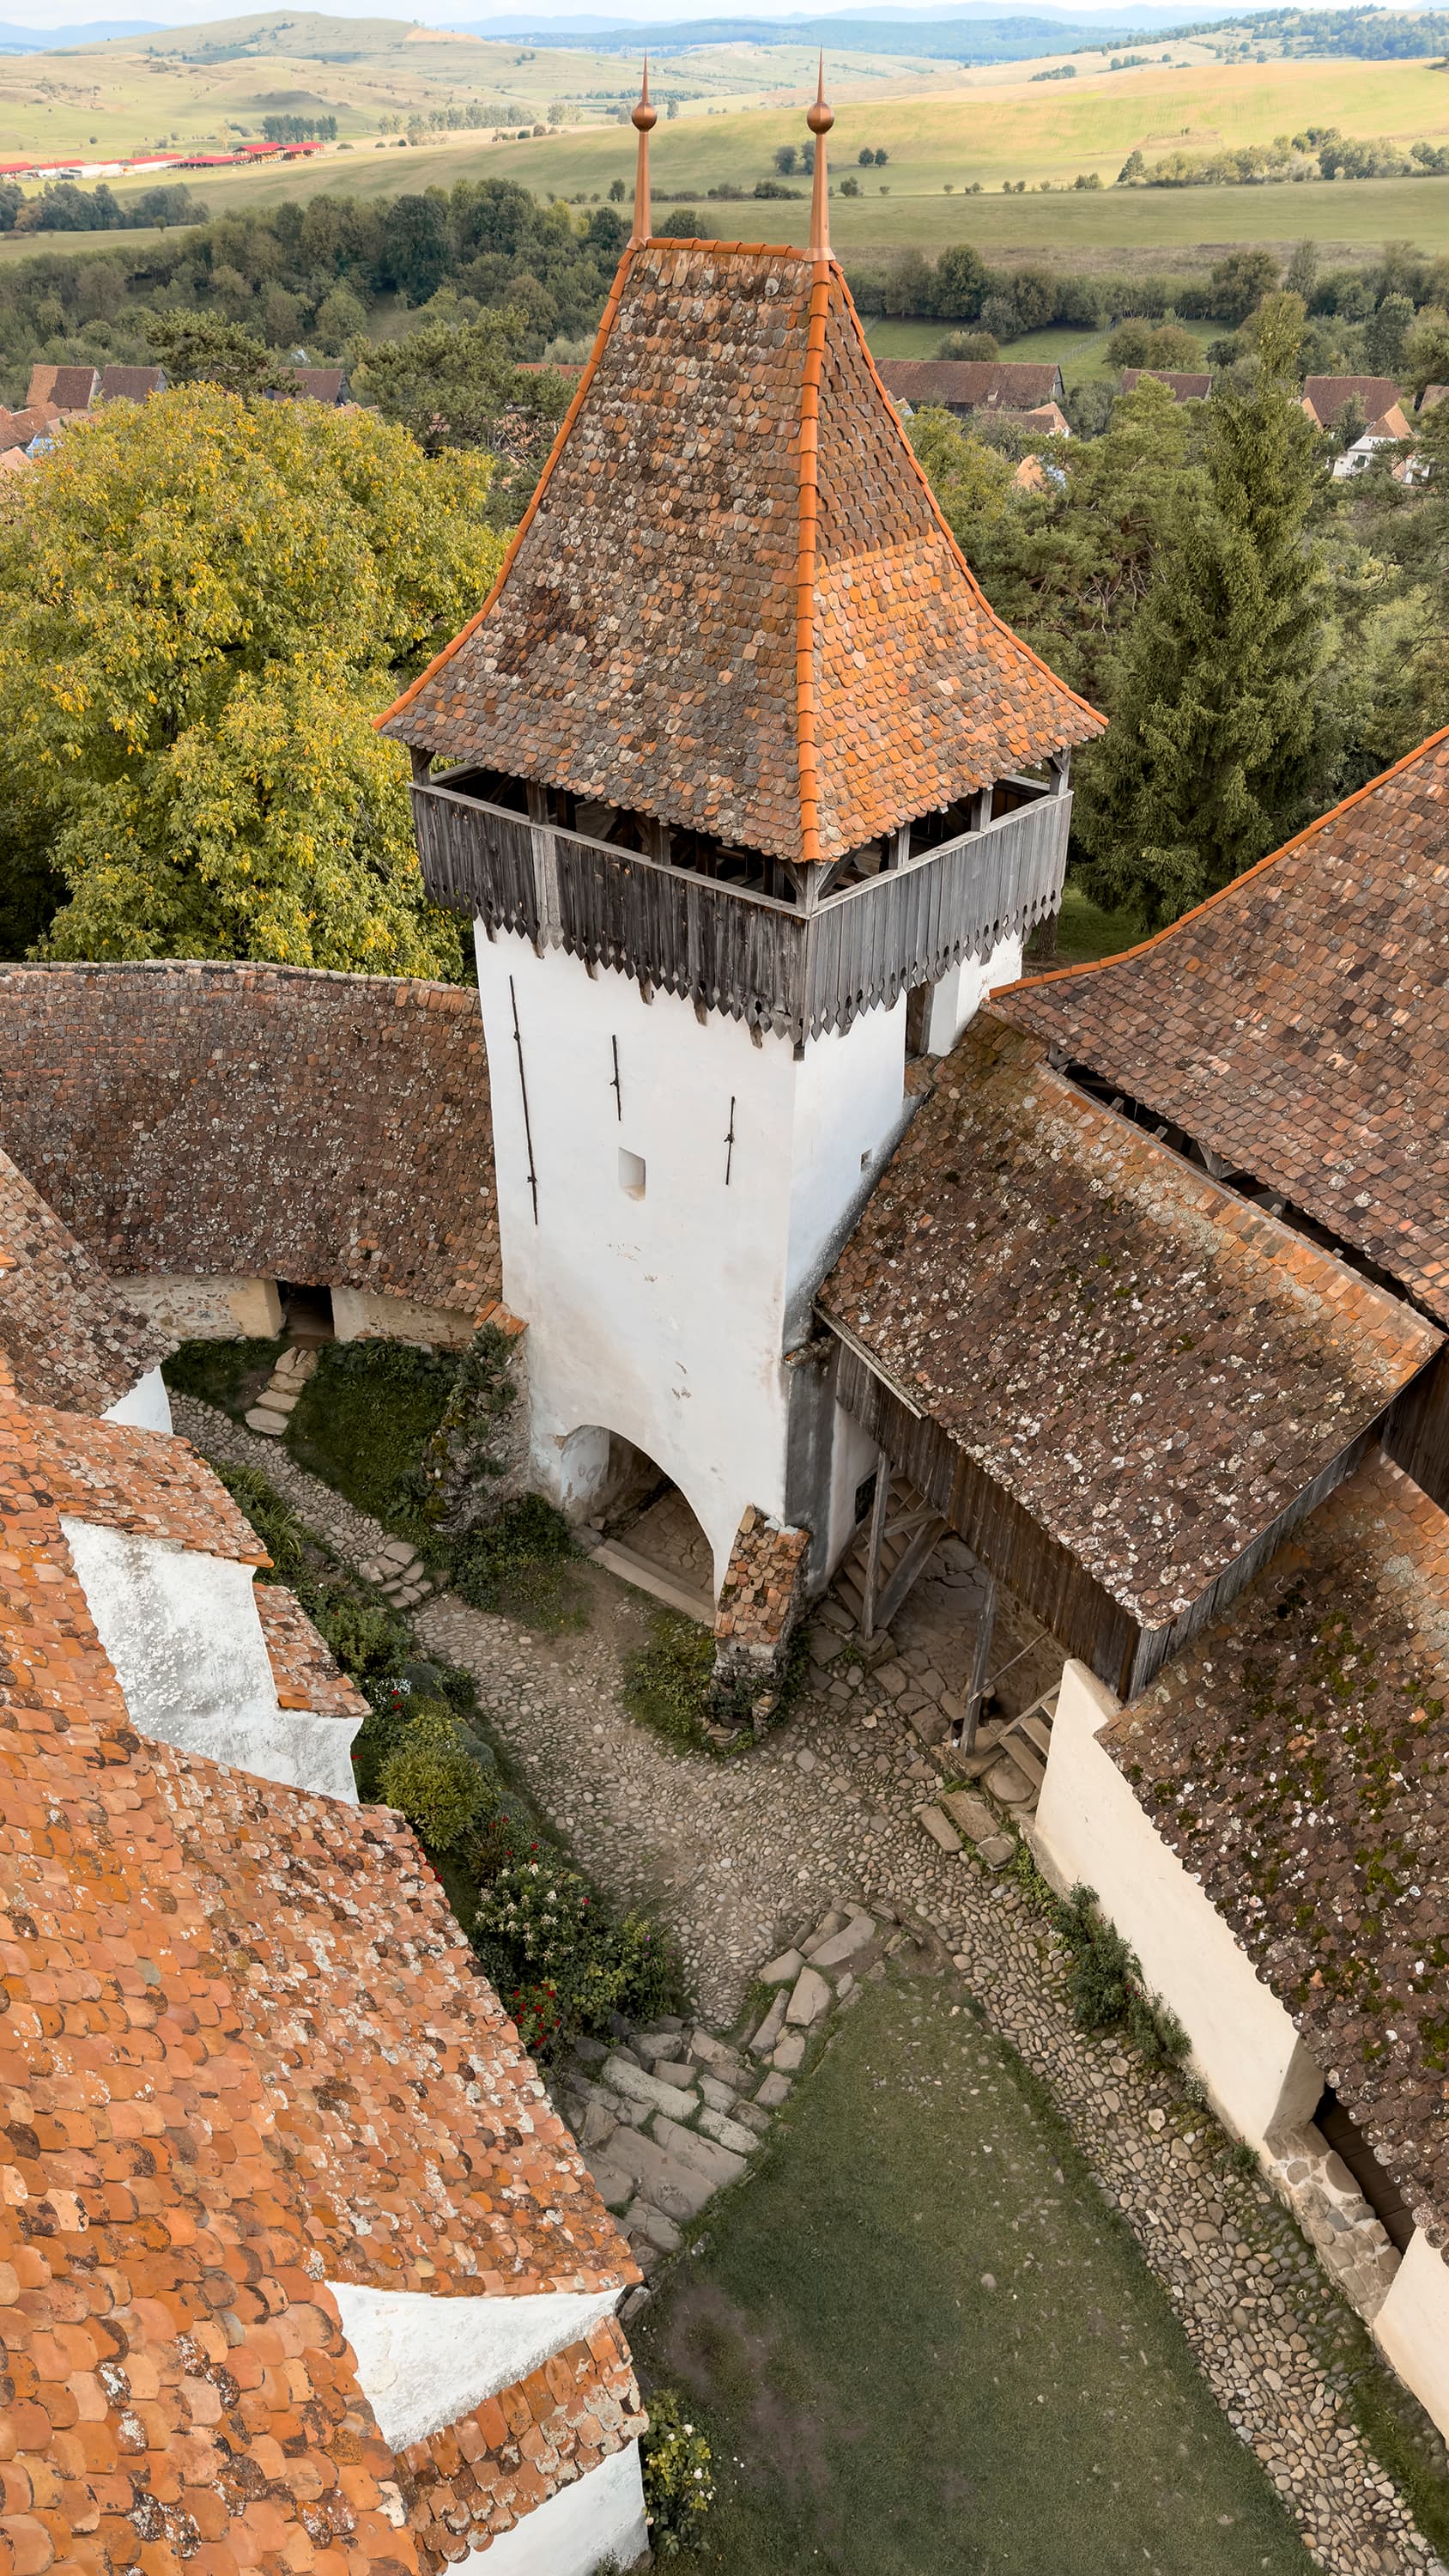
(971, 31)
(33, 40)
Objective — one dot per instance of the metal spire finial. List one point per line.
(820, 119)
(644, 120)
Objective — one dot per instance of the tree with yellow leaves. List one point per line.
(208, 599)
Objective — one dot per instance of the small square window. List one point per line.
(631, 1174)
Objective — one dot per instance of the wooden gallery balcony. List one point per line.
(795, 951)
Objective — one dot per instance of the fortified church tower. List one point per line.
(747, 791)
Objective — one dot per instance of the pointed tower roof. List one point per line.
(733, 603)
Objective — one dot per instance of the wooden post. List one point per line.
(979, 1661)
(878, 1510)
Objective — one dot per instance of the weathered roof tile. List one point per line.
(733, 603)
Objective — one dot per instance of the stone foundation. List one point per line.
(760, 1602)
(362, 1315)
(222, 1308)
(1352, 2245)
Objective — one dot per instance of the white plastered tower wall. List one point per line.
(660, 1302)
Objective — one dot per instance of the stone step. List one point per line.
(645, 1577)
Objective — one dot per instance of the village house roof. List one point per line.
(733, 602)
(1154, 1369)
(1324, 397)
(130, 384)
(67, 1335)
(258, 1121)
(1431, 397)
(1184, 388)
(1296, 1757)
(1048, 420)
(17, 428)
(68, 388)
(277, 2066)
(320, 384)
(973, 384)
(1297, 1023)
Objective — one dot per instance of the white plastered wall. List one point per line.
(1262, 2081)
(183, 1635)
(423, 2363)
(1412, 2327)
(147, 1404)
(1090, 1828)
(662, 1316)
(221, 1309)
(960, 992)
(597, 2521)
(362, 1315)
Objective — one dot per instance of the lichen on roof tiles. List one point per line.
(1154, 1369)
(262, 1122)
(1297, 1024)
(244, 2049)
(1296, 1757)
(698, 569)
(69, 1336)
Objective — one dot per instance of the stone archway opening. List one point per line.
(642, 1526)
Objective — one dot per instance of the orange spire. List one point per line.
(645, 118)
(820, 119)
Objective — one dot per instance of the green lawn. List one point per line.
(923, 2346)
(1081, 355)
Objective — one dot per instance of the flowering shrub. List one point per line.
(678, 2484)
(554, 1954)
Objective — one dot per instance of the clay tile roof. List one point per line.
(1390, 424)
(1153, 1368)
(733, 602)
(267, 1122)
(574, 2412)
(70, 1338)
(973, 383)
(245, 2051)
(1185, 388)
(1296, 1757)
(68, 388)
(320, 384)
(1298, 1023)
(148, 1483)
(130, 384)
(1326, 396)
(304, 1668)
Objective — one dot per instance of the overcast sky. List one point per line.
(43, 15)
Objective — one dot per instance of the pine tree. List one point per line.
(1210, 761)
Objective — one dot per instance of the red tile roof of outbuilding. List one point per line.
(1150, 1366)
(1297, 1023)
(733, 602)
(245, 2050)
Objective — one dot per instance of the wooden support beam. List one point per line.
(979, 1663)
(878, 1511)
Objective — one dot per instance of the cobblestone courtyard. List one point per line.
(736, 1855)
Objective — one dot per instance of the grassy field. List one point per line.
(923, 2346)
(1081, 355)
(943, 130)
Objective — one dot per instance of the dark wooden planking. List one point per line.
(779, 966)
(1044, 1576)
(1416, 1434)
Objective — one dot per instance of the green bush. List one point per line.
(522, 1565)
(229, 1375)
(667, 1684)
(1106, 1987)
(678, 2476)
(433, 1777)
(276, 1524)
